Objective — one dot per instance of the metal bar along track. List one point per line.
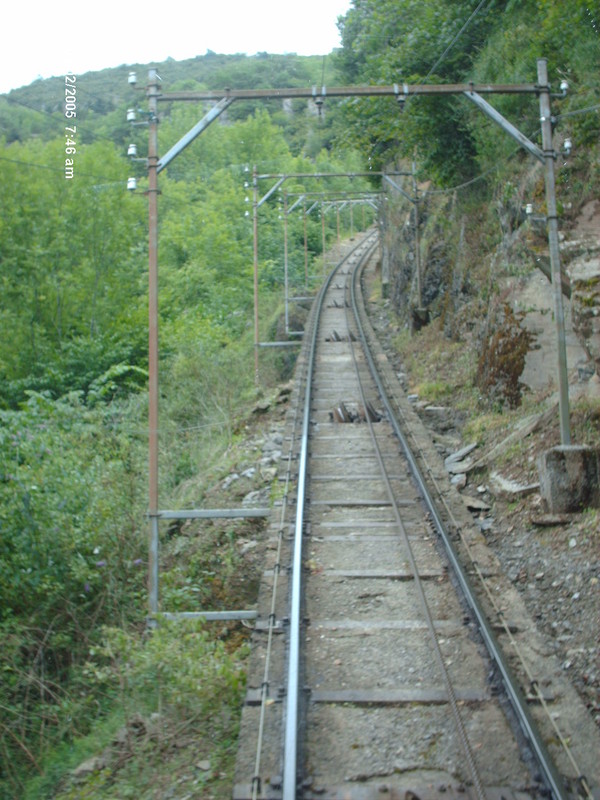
(372, 680)
(290, 751)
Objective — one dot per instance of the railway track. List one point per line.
(375, 672)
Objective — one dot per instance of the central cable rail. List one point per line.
(464, 740)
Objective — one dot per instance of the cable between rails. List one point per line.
(458, 721)
(512, 688)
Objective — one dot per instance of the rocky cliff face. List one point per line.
(449, 279)
(582, 253)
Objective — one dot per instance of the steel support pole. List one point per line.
(305, 246)
(549, 155)
(385, 261)
(285, 262)
(323, 233)
(152, 93)
(417, 239)
(255, 250)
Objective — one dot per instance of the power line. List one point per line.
(458, 35)
(587, 110)
(35, 165)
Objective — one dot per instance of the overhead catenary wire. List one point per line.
(564, 115)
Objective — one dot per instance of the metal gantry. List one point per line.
(221, 100)
(280, 179)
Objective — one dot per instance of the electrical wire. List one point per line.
(458, 35)
(587, 110)
(34, 165)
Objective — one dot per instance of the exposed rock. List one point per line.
(229, 480)
(460, 468)
(509, 489)
(460, 454)
(475, 504)
(94, 764)
(550, 520)
(457, 465)
(261, 407)
(459, 480)
(523, 428)
(246, 546)
(440, 418)
(584, 272)
(259, 497)
(585, 299)
(284, 393)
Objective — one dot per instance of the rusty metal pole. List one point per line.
(351, 220)
(152, 93)
(255, 249)
(337, 214)
(552, 217)
(323, 233)
(285, 262)
(305, 246)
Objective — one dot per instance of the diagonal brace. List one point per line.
(273, 188)
(506, 125)
(198, 128)
(398, 188)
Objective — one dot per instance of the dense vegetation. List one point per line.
(73, 321)
(73, 372)
(446, 42)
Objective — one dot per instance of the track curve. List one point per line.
(369, 674)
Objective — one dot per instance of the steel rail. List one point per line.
(290, 753)
(514, 693)
(264, 691)
(534, 685)
(451, 694)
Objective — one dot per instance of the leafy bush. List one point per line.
(71, 557)
(180, 666)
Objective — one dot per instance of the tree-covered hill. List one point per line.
(73, 326)
(445, 41)
(73, 362)
(104, 96)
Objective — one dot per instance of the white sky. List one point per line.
(44, 39)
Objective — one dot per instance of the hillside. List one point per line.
(80, 679)
(103, 97)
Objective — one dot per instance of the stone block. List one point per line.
(570, 478)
